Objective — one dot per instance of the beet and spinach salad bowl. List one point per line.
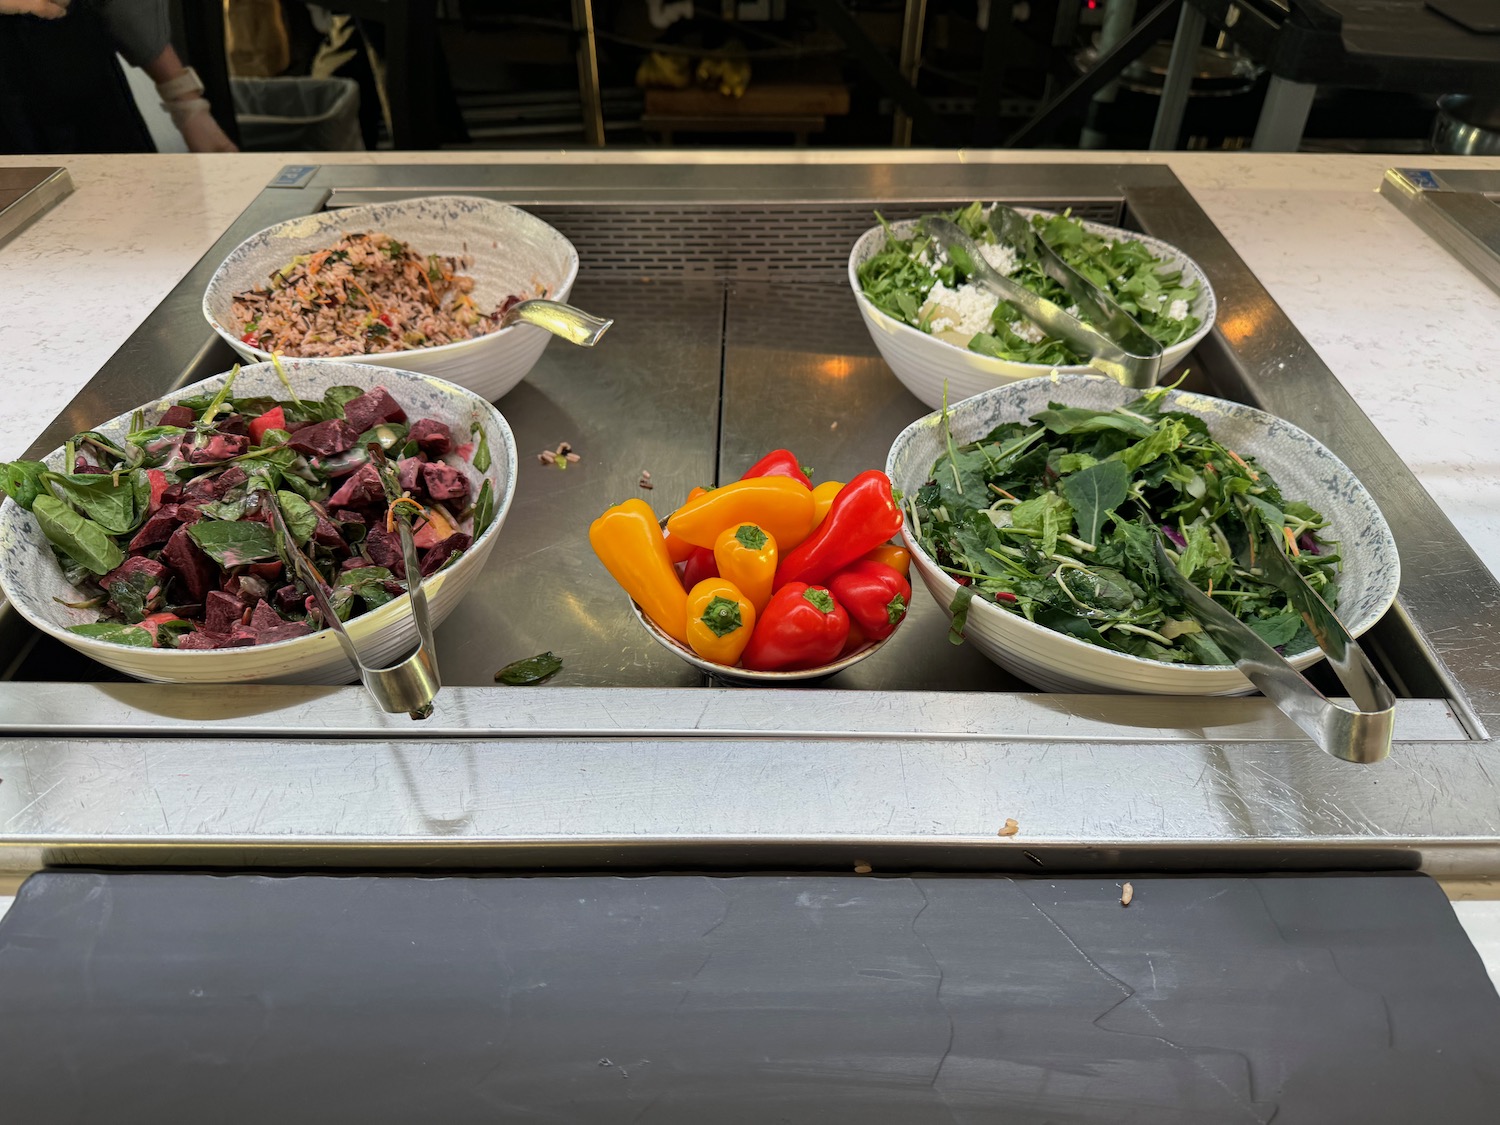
(150, 543)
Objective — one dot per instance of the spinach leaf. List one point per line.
(233, 544)
(113, 631)
(22, 481)
(80, 538)
(532, 670)
(301, 520)
(117, 505)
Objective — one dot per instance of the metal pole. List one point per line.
(1179, 80)
(911, 62)
(1283, 117)
(588, 73)
(1118, 17)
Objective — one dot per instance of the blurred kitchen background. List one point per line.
(491, 74)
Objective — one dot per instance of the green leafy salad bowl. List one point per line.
(201, 594)
(1030, 513)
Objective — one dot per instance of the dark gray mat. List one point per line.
(169, 998)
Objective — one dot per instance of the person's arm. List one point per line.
(141, 30)
(46, 9)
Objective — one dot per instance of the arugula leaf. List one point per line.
(1276, 630)
(482, 452)
(960, 610)
(1095, 493)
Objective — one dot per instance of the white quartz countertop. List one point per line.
(1409, 331)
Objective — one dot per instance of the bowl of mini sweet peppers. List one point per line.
(768, 579)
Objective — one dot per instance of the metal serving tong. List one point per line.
(1361, 733)
(411, 684)
(572, 324)
(1121, 349)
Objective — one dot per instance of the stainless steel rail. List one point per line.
(736, 333)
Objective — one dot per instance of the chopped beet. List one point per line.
(201, 640)
(285, 631)
(347, 515)
(157, 529)
(198, 572)
(372, 408)
(433, 438)
(270, 571)
(264, 617)
(199, 488)
(409, 475)
(137, 564)
(82, 464)
(230, 478)
(444, 482)
(384, 549)
(361, 490)
(234, 424)
(220, 447)
(325, 438)
(177, 416)
(243, 636)
(434, 558)
(172, 494)
(222, 612)
(288, 599)
(327, 534)
(354, 562)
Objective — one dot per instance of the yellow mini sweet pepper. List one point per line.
(680, 549)
(628, 540)
(823, 498)
(720, 620)
(782, 507)
(747, 556)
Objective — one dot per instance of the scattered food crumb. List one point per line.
(1011, 827)
(605, 1062)
(834, 426)
(862, 868)
(645, 481)
(562, 456)
(1126, 894)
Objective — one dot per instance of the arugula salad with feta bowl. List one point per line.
(1030, 513)
(939, 331)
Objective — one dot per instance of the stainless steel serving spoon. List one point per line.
(573, 325)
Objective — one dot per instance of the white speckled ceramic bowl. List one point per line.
(32, 580)
(513, 252)
(745, 677)
(926, 364)
(1303, 467)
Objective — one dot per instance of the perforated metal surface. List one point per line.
(801, 241)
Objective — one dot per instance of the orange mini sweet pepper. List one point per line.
(897, 558)
(747, 557)
(778, 505)
(628, 540)
(720, 621)
(680, 549)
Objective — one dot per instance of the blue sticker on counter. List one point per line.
(1422, 178)
(293, 175)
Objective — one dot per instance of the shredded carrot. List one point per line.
(369, 300)
(431, 292)
(1211, 467)
(1253, 474)
(1291, 542)
(1001, 491)
(404, 501)
(1210, 590)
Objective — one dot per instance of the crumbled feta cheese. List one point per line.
(969, 303)
(1029, 332)
(941, 324)
(1179, 310)
(1001, 258)
(1073, 311)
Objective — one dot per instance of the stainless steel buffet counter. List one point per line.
(736, 332)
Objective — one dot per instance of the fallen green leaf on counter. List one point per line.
(532, 670)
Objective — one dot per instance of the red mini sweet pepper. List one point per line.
(874, 595)
(802, 627)
(863, 515)
(779, 463)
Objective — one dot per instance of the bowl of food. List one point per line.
(1030, 510)
(765, 580)
(945, 337)
(415, 284)
(148, 545)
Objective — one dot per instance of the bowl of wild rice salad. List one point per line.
(416, 284)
